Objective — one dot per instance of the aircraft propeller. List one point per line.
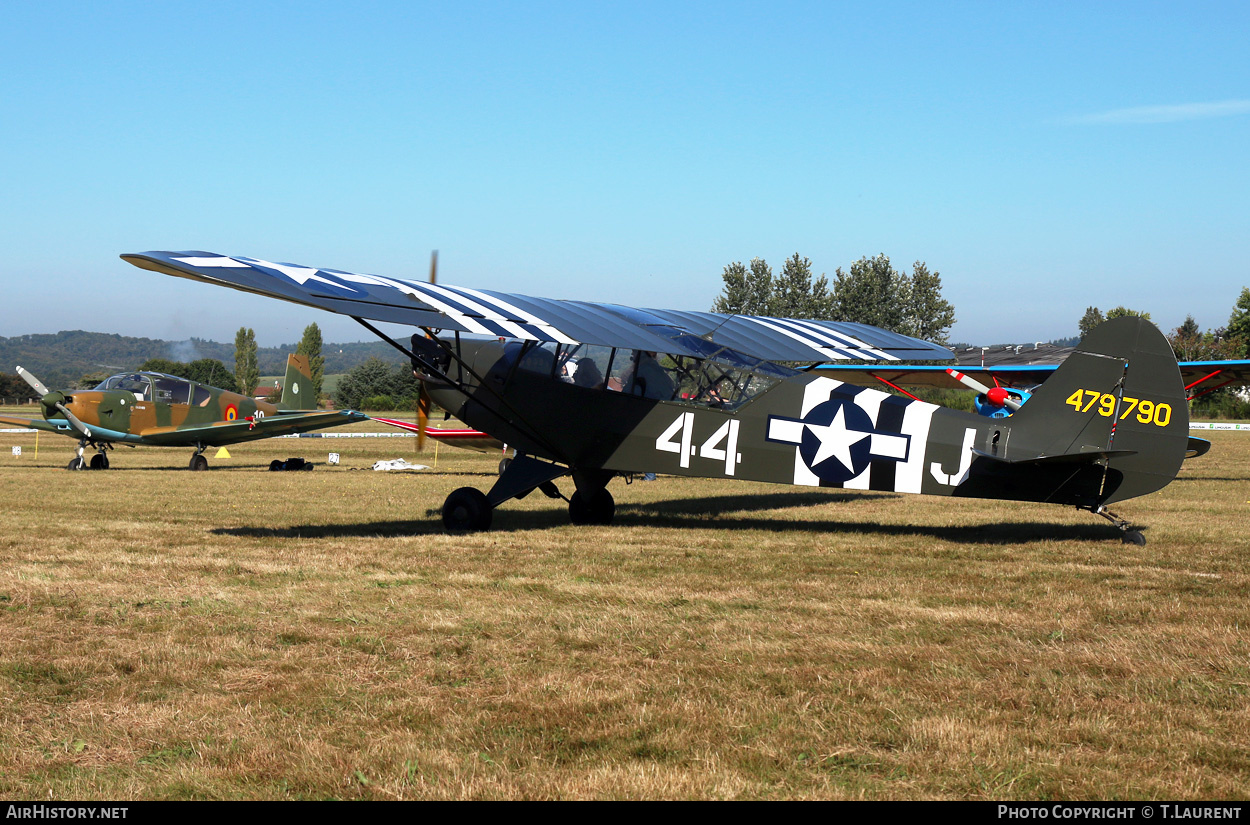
(996, 396)
(423, 396)
(54, 400)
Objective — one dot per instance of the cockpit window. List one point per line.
(167, 390)
(721, 378)
(129, 382)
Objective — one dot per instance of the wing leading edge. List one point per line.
(486, 312)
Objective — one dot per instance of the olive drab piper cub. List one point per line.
(596, 391)
(154, 409)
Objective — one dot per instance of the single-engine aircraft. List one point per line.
(155, 409)
(594, 391)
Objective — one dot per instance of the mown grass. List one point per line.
(246, 634)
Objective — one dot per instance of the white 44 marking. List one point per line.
(722, 445)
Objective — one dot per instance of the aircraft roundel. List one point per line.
(232, 412)
(836, 440)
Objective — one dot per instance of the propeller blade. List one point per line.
(998, 396)
(423, 417)
(34, 382)
(73, 420)
(423, 397)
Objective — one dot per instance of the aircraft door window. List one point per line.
(584, 365)
(647, 377)
(201, 396)
(539, 358)
(171, 391)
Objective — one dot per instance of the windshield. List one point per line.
(128, 382)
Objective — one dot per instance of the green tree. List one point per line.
(1186, 340)
(930, 316)
(373, 379)
(163, 365)
(796, 295)
(873, 292)
(246, 368)
(1239, 324)
(1091, 318)
(1122, 311)
(748, 291)
(310, 345)
(733, 297)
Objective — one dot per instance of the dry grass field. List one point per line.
(242, 634)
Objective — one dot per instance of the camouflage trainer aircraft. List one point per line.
(594, 391)
(155, 409)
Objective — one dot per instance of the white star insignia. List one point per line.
(836, 440)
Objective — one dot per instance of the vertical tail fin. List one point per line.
(1119, 399)
(297, 387)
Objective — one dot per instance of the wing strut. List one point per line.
(454, 354)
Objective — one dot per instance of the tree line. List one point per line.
(872, 292)
(1189, 342)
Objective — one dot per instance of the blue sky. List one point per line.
(1042, 156)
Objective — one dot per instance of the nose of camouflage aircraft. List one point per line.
(53, 400)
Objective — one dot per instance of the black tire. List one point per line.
(467, 510)
(1133, 537)
(503, 465)
(76, 463)
(198, 463)
(599, 508)
(275, 466)
(99, 461)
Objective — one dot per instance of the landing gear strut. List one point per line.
(1126, 535)
(470, 509)
(77, 463)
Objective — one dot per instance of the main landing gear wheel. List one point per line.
(467, 509)
(596, 508)
(99, 461)
(198, 462)
(76, 464)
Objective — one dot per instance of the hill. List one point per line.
(62, 358)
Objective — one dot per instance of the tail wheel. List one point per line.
(467, 510)
(597, 508)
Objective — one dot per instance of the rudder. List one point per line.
(297, 387)
(1119, 394)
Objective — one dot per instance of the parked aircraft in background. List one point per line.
(154, 409)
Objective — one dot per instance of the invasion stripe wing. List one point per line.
(509, 315)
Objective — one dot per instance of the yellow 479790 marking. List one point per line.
(1147, 412)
